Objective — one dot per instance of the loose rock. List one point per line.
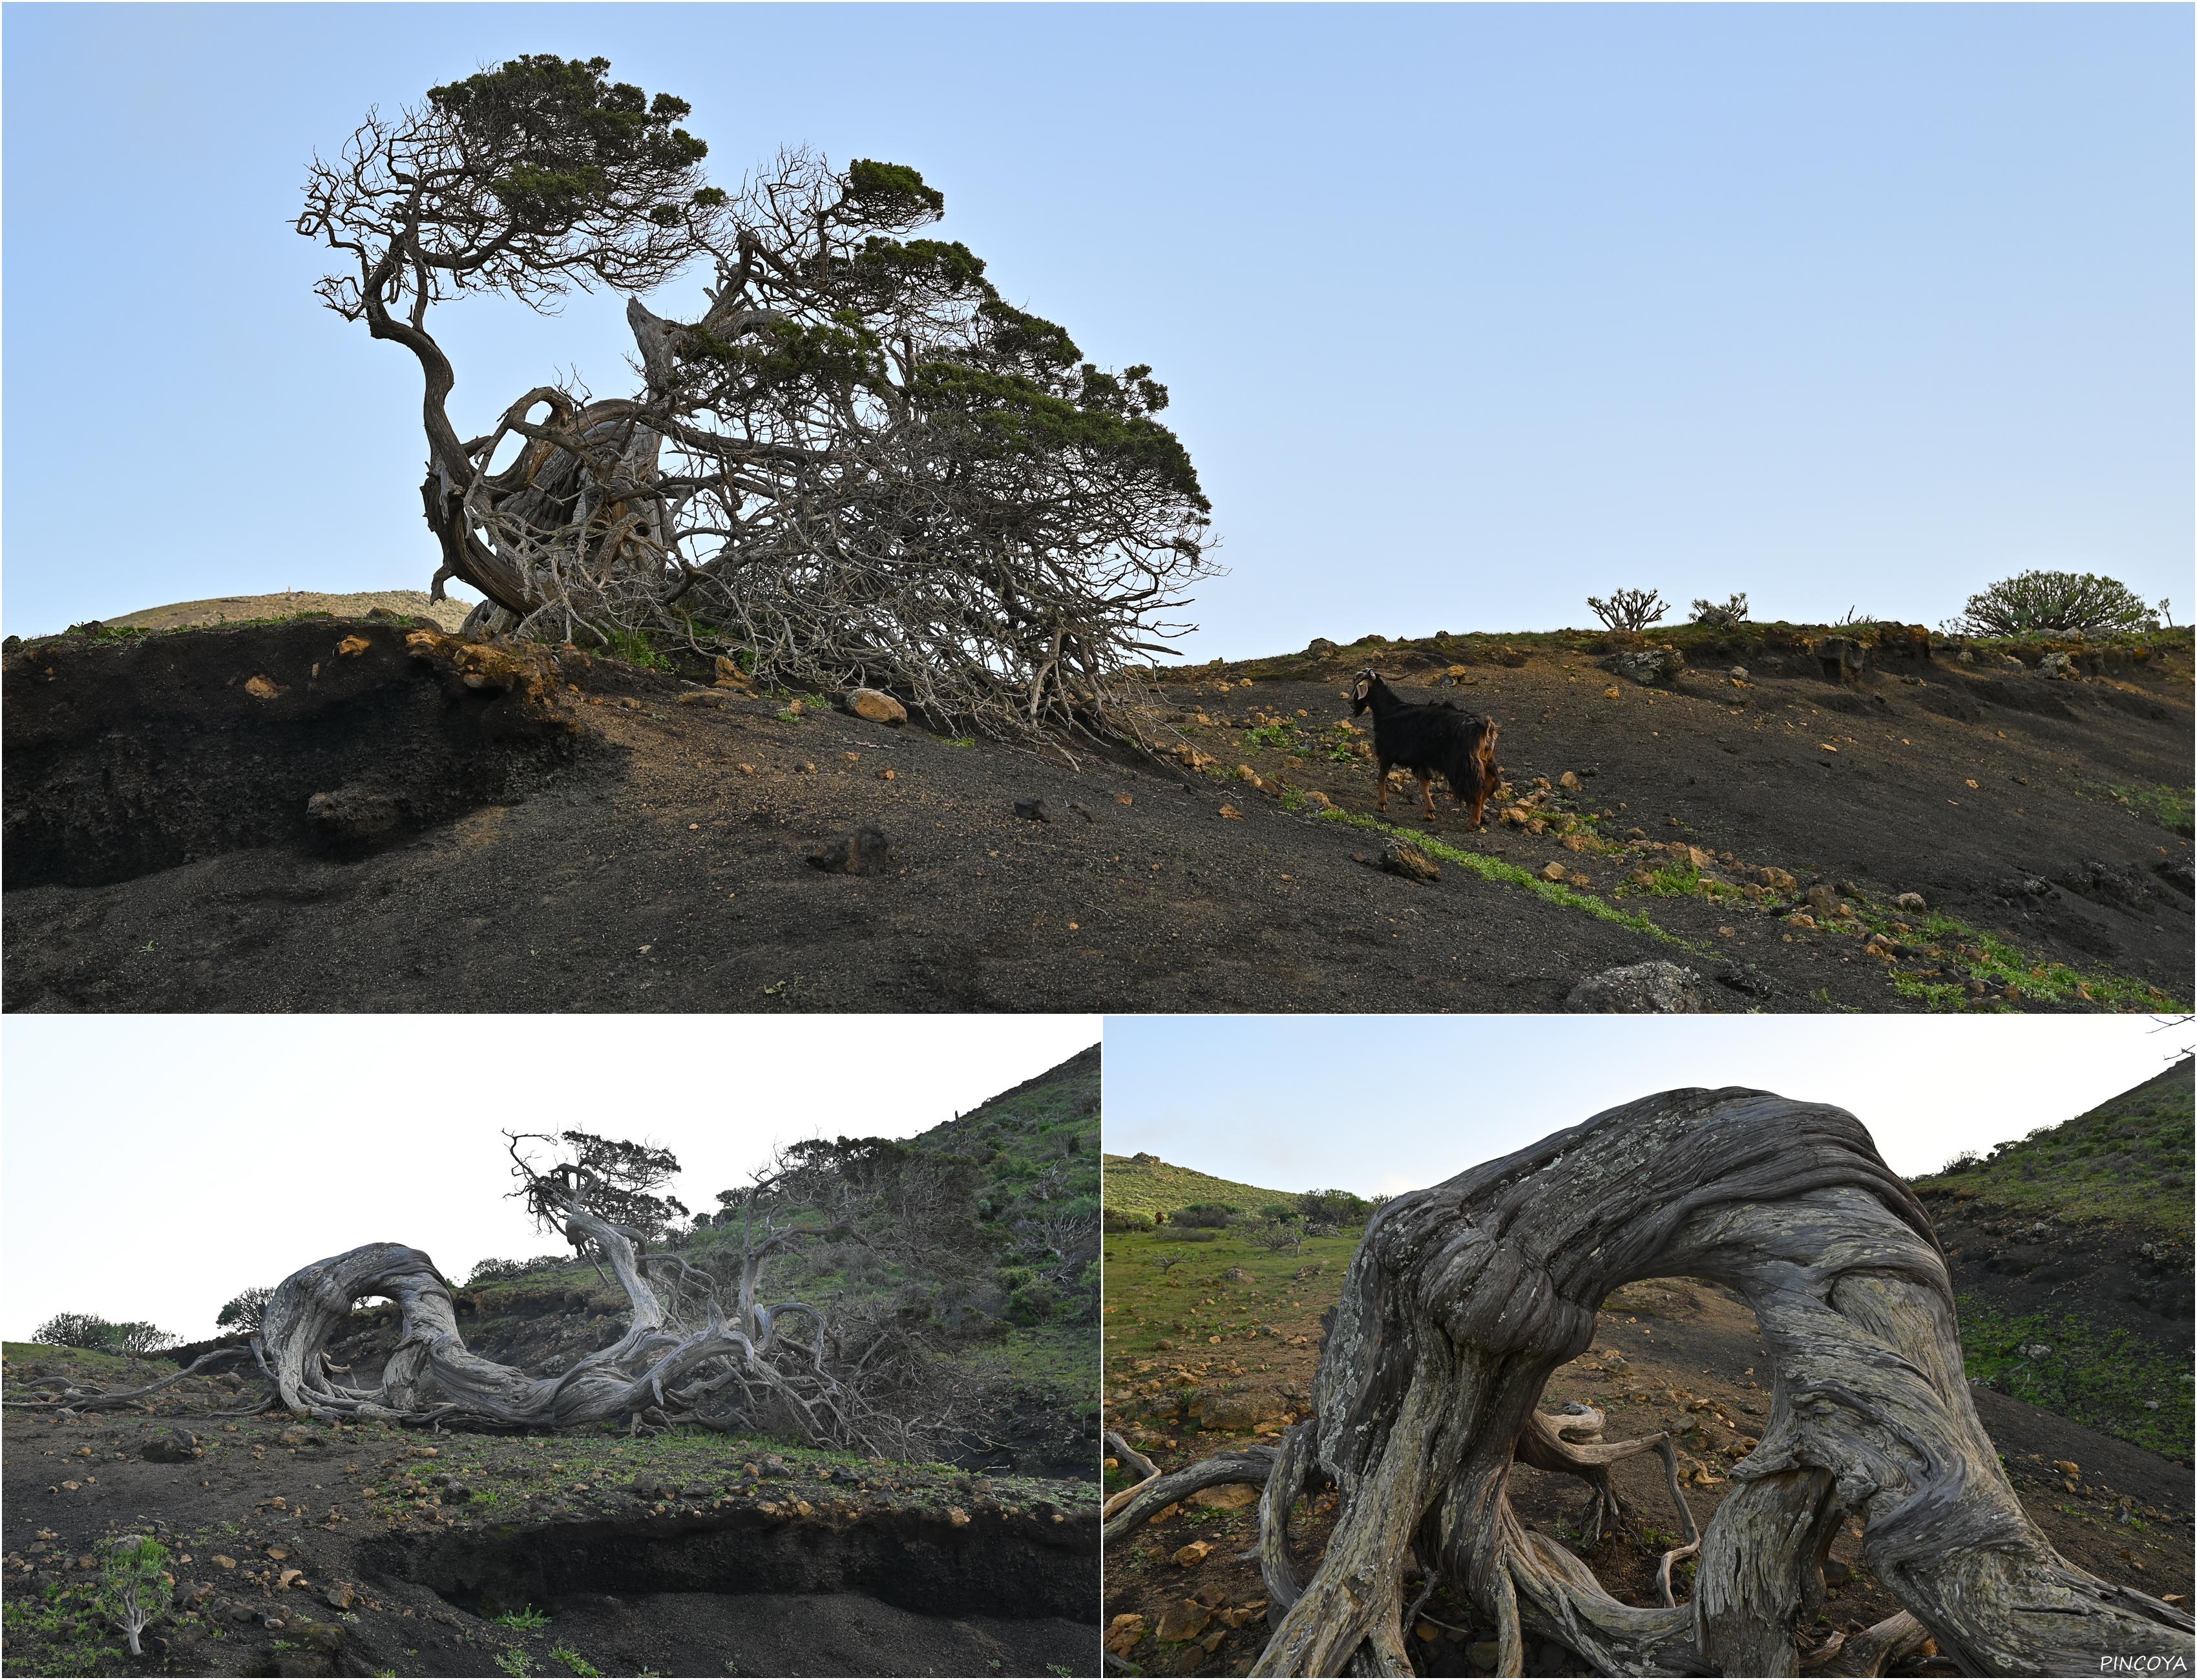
(1400, 857)
(1034, 810)
(1656, 988)
(875, 705)
(861, 851)
(1649, 667)
(354, 813)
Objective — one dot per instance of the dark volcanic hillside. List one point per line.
(356, 814)
(2070, 1255)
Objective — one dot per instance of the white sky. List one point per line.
(1386, 1102)
(153, 1167)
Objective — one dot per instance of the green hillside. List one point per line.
(1143, 1185)
(1009, 1294)
(2127, 1160)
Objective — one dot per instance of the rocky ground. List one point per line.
(303, 1548)
(1221, 1349)
(325, 813)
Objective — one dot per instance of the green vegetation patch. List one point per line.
(2168, 807)
(2127, 1160)
(2008, 974)
(1511, 875)
(2106, 1380)
(1141, 1189)
(1159, 1302)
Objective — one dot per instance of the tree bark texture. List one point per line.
(1464, 1298)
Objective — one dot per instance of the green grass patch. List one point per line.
(2127, 1160)
(2010, 975)
(2106, 1380)
(1141, 1189)
(59, 1631)
(1232, 1288)
(1682, 880)
(2168, 807)
(637, 649)
(1511, 875)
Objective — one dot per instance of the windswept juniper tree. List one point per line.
(859, 465)
(704, 1344)
(1464, 1298)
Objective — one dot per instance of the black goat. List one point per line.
(1430, 740)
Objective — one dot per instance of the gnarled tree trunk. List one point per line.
(1464, 1298)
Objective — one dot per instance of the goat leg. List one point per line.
(1380, 794)
(1426, 792)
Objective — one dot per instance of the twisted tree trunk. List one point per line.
(1464, 1298)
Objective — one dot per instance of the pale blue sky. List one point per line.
(1386, 1104)
(1467, 311)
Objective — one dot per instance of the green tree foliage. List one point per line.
(134, 1586)
(860, 463)
(1206, 1215)
(2049, 603)
(622, 1180)
(86, 1330)
(1333, 1206)
(243, 1310)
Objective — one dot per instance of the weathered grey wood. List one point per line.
(1464, 1298)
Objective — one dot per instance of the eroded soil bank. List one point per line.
(308, 1550)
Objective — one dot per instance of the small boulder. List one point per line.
(1183, 1621)
(1912, 902)
(1321, 645)
(1229, 1495)
(1820, 898)
(1657, 988)
(1400, 857)
(860, 851)
(1569, 780)
(1227, 1414)
(354, 813)
(1650, 667)
(1739, 674)
(875, 705)
(1033, 810)
(1192, 1555)
(177, 1446)
(1123, 1632)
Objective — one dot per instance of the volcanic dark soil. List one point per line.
(362, 814)
(305, 1549)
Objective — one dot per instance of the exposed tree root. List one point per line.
(1464, 1298)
